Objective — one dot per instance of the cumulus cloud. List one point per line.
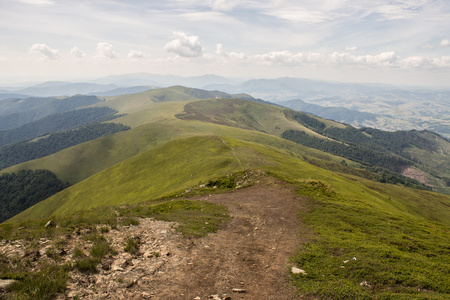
(445, 43)
(46, 51)
(219, 49)
(105, 50)
(184, 45)
(388, 59)
(135, 54)
(223, 5)
(77, 52)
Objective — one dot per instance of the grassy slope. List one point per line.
(399, 236)
(186, 162)
(154, 123)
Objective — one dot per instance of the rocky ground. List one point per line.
(248, 258)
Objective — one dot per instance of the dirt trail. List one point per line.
(249, 253)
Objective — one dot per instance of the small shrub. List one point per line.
(87, 264)
(130, 222)
(104, 229)
(222, 183)
(100, 248)
(131, 246)
(77, 252)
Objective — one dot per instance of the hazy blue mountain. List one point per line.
(139, 79)
(8, 95)
(340, 114)
(123, 91)
(49, 89)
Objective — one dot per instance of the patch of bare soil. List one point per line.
(415, 174)
(248, 258)
(250, 254)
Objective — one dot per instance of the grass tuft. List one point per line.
(42, 285)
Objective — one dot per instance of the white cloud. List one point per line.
(351, 48)
(135, 54)
(445, 43)
(223, 5)
(77, 52)
(37, 2)
(46, 51)
(405, 9)
(184, 45)
(298, 14)
(388, 59)
(105, 50)
(219, 49)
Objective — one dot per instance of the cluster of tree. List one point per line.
(381, 163)
(57, 122)
(371, 138)
(361, 154)
(306, 120)
(17, 112)
(18, 191)
(23, 151)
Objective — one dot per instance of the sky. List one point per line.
(378, 41)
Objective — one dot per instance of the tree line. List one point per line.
(16, 153)
(57, 122)
(18, 191)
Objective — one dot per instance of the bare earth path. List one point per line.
(248, 258)
(249, 253)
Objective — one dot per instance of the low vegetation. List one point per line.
(364, 252)
(194, 218)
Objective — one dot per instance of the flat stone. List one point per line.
(50, 224)
(296, 270)
(4, 283)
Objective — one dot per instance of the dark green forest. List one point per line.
(380, 151)
(17, 112)
(57, 122)
(18, 191)
(24, 151)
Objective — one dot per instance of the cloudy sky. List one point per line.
(388, 41)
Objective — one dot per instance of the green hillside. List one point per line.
(182, 138)
(398, 236)
(155, 123)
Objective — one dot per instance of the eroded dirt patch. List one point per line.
(248, 258)
(251, 252)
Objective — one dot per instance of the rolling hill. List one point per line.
(184, 139)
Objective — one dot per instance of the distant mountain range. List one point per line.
(363, 105)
